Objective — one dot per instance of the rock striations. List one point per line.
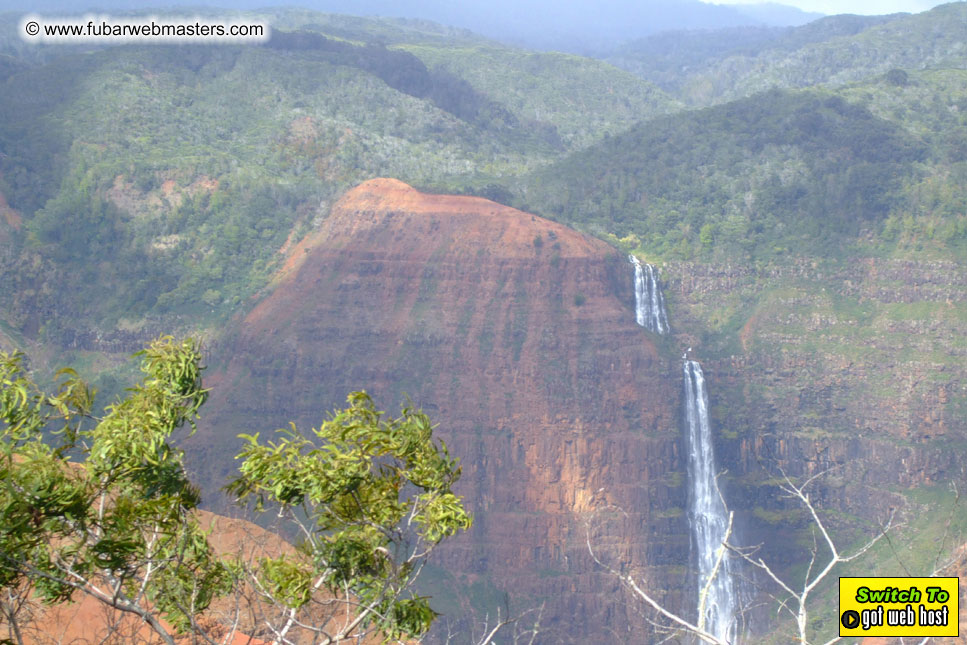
(518, 336)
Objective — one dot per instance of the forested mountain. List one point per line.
(671, 58)
(799, 191)
(541, 87)
(830, 51)
(753, 178)
(192, 167)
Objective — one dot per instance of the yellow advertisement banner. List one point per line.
(899, 607)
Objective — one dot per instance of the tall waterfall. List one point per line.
(649, 301)
(706, 511)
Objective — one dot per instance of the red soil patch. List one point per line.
(87, 620)
(389, 214)
(206, 183)
(201, 184)
(12, 217)
(509, 232)
(303, 129)
(748, 329)
(289, 241)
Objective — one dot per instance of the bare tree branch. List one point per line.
(629, 582)
(795, 602)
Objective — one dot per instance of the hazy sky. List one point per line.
(869, 7)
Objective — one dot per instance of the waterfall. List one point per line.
(707, 517)
(649, 301)
(706, 511)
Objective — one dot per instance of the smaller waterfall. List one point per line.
(649, 301)
(706, 511)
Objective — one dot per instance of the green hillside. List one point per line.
(192, 167)
(814, 171)
(671, 59)
(186, 170)
(581, 97)
(721, 66)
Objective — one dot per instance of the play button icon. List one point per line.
(850, 619)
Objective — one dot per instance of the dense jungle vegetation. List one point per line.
(186, 170)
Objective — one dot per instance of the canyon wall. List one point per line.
(851, 368)
(517, 335)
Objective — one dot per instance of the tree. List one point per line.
(371, 498)
(102, 506)
(796, 596)
(791, 598)
(116, 524)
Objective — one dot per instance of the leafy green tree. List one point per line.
(102, 506)
(372, 497)
(115, 523)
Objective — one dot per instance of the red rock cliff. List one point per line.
(517, 335)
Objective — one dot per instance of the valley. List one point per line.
(435, 216)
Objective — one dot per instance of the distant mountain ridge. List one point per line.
(775, 14)
(578, 26)
(729, 64)
(670, 59)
